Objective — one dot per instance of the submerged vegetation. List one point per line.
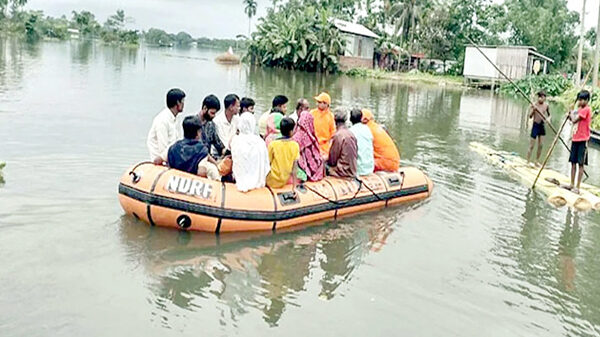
(553, 85)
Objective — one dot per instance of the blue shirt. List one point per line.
(364, 138)
(186, 154)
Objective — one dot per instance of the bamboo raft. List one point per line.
(549, 183)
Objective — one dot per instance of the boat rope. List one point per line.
(360, 184)
(375, 193)
(134, 176)
(335, 202)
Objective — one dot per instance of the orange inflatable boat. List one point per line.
(166, 197)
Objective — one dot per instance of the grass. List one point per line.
(413, 76)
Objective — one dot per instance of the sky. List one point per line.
(209, 18)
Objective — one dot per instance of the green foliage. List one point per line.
(86, 23)
(547, 25)
(291, 38)
(114, 32)
(183, 39)
(31, 27)
(365, 73)
(221, 44)
(553, 85)
(159, 37)
(596, 121)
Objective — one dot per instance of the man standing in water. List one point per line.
(539, 112)
(163, 132)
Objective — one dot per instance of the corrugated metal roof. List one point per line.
(353, 28)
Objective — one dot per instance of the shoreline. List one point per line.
(407, 77)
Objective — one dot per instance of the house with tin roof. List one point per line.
(360, 45)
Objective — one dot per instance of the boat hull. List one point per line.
(169, 198)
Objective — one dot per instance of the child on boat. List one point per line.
(582, 121)
(283, 155)
(540, 111)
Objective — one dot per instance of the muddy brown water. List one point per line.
(484, 256)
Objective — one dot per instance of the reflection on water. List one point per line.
(484, 251)
(266, 272)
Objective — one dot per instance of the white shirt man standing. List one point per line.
(226, 122)
(163, 132)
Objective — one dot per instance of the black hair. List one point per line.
(356, 116)
(230, 100)
(247, 102)
(287, 126)
(174, 96)
(541, 93)
(279, 100)
(191, 125)
(211, 102)
(584, 95)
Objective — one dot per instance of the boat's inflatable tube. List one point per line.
(165, 197)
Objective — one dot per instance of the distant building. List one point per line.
(515, 62)
(73, 33)
(360, 45)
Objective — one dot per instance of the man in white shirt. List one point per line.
(226, 121)
(163, 132)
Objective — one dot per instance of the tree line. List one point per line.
(439, 29)
(34, 25)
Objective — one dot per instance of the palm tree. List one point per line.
(407, 14)
(250, 10)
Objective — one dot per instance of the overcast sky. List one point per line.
(210, 18)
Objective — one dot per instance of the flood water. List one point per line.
(484, 256)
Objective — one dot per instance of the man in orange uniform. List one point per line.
(385, 151)
(324, 123)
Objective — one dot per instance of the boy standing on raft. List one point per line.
(582, 119)
(324, 123)
(539, 112)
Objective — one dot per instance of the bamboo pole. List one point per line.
(550, 152)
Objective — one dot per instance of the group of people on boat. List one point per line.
(279, 149)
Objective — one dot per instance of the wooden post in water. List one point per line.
(550, 152)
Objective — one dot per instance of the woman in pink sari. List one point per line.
(310, 160)
(273, 124)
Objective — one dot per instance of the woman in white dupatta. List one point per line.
(249, 155)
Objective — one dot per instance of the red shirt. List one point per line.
(582, 131)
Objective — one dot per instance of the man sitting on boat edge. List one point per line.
(163, 132)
